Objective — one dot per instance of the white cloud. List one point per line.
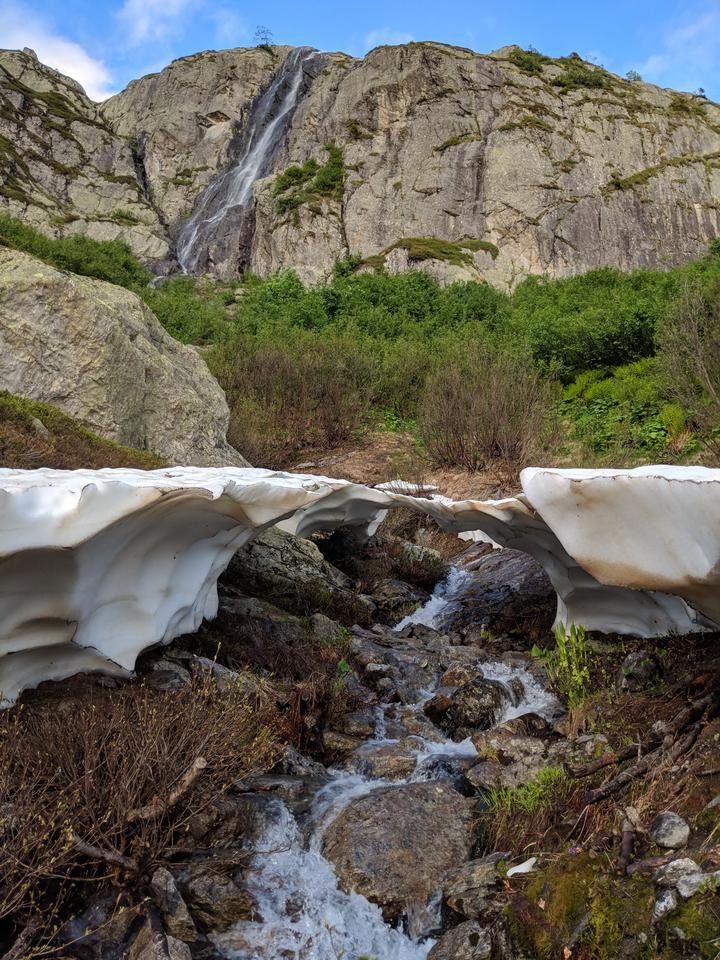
(230, 28)
(20, 27)
(384, 35)
(690, 54)
(147, 20)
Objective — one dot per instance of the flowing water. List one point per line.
(305, 915)
(229, 196)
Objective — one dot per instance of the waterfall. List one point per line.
(223, 206)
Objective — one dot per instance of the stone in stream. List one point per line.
(395, 845)
(471, 889)
(475, 705)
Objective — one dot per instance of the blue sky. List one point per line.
(106, 43)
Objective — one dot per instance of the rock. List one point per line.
(225, 679)
(669, 830)
(666, 902)
(214, 899)
(173, 908)
(639, 670)
(473, 706)
(177, 950)
(101, 932)
(672, 873)
(395, 599)
(292, 573)
(391, 762)
(168, 675)
(64, 169)
(395, 844)
(469, 890)
(107, 361)
(324, 629)
(467, 941)
(512, 597)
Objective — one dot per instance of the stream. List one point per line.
(305, 914)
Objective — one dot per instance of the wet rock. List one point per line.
(339, 746)
(468, 941)
(175, 914)
(473, 706)
(395, 844)
(214, 899)
(177, 950)
(359, 723)
(230, 820)
(513, 597)
(471, 889)
(669, 830)
(640, 669)
(144, 946)
(395, 599)
(390, 762)
(295, 764)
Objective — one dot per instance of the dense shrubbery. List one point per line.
(311, 366)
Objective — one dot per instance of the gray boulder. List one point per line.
(669, 830)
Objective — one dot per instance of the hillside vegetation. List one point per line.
(606, 366)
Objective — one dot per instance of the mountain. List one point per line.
(469, 166)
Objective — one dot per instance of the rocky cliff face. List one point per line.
(470, 166)
(61, 166)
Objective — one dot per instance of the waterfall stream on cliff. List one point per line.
(230, 194)
(305, 915)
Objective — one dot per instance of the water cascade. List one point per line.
(215, 231)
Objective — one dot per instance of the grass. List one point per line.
(456, 252)
(469, 137)
(39, 435)
(568, 664)
(643, 176)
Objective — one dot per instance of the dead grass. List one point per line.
(95, 791)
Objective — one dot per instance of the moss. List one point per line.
(684, 106)
(125, 217)
(642, 176)
(469, 137)
(457, 252)
(579, 890)
(66, 445)
(356, 132)
(185, 177)
(577, 74)
(699, 920)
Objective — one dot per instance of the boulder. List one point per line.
(395, 845)
(173, 908)
(639, 670)
(471, 890)
(214, 899)
(473, 706)
(395, 598)
(292, 573)
(105, 359)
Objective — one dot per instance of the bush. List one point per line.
(483, 406)
(283, 396)
(690, 356)
(120, 772)
(568, 663)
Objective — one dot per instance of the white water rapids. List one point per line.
(304, 913)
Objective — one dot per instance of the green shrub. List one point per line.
(529, 61)
(109, 260)
(298, 185)
(568, 663)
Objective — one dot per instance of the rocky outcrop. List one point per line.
(468, 166)
(62, 168)
(99, 354)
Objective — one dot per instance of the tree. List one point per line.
(633, 76)
(263, 36)
(700, 92)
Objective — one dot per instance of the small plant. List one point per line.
(263, 37)
(568, 663)
(633, 76)
(538, 794)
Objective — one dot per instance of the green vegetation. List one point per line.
(568, 663)
(540, 793)
(298, 185)
(585, 366)
(529, 61)
(577, 73)
(469, 137)
(642, 176)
